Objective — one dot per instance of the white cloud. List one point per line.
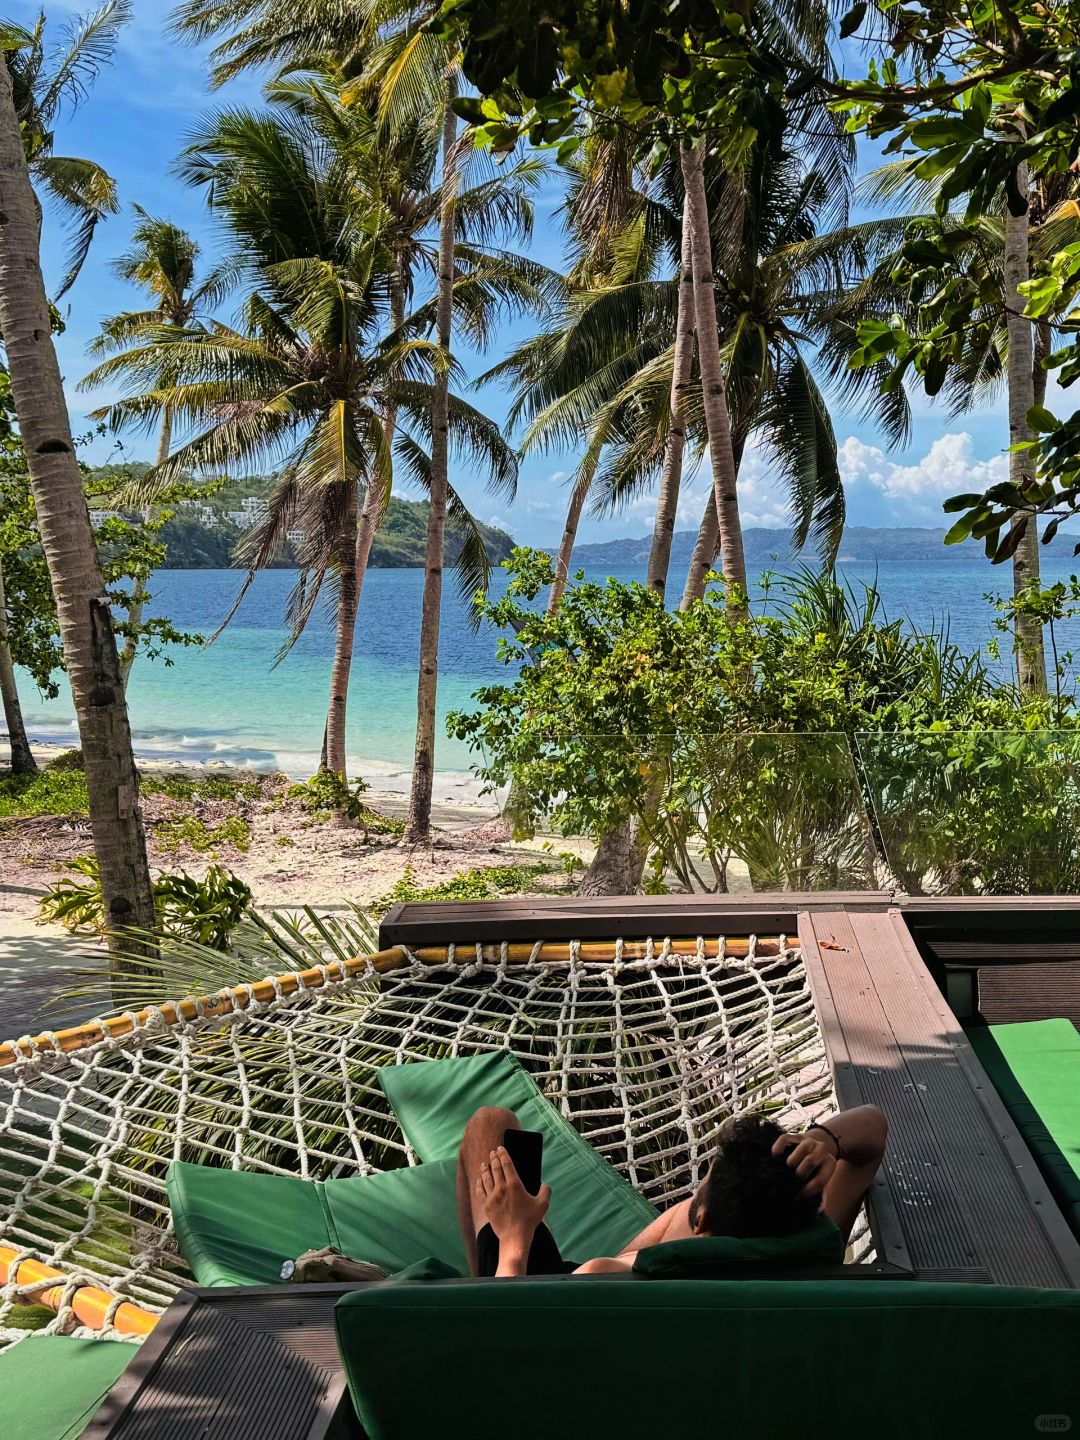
(913, 492)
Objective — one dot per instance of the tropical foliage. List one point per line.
(792, 740)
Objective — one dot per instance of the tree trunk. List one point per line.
(22, 757)
(566, 546)
(717, 419)
(348, 596)
(418, 823)
(130, 646)
(616, 867)
(358, 549)
(1030, 655)
(706, 545)
(667, 501)
(68, 543)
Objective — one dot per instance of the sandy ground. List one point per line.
(291, 861)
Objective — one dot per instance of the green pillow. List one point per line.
(705, 1257)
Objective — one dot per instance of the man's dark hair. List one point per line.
(750, 1191)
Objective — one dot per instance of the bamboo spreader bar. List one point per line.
(89, 1304)
(239, 997)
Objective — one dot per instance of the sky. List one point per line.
(136, 120)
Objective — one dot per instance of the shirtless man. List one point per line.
(763, 1181)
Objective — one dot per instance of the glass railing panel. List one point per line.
(697, 813)
(977, 812)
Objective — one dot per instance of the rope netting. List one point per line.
(645, 1056)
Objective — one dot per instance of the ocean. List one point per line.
(227, 702)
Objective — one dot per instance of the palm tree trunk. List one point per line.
(705, 546)
(22, 757)
(701, 561)
(130, 646)
(1030, 655)
(667, 501)
(566, 546)
(418, 823)
(348, 600)
(714, 397)
(67, 540)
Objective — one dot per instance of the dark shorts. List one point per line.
(544, 1257)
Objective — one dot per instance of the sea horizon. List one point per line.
(227, 703)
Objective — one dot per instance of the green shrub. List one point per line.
(49, 792)
(206, 910)
(478, 884)
(200, 787)
(326, 795)
(66, 760)
(192, 831)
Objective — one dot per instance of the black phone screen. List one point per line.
(526, 1150)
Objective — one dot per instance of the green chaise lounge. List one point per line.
(1035, 1068)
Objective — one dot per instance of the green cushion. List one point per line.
(719, 1256)
(52, 1386)
(609, 1356)
(594, 1211)
(236, 1227)
(398, 1217)
(1035, 1068)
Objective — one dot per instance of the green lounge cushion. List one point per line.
(1035, 1068)
(594, 1211)
(613, 1356)
(722, 1256)
(52, 1386)
(237, 1227)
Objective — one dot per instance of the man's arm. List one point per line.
(511, 1211)
(840, 1158)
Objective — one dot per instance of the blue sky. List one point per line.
(136, 120)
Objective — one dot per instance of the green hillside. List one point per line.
(400, 543)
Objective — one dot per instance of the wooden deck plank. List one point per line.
(957, 1197)
(570, 917)
(1039, 1202)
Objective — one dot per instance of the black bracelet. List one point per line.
(841, 1154)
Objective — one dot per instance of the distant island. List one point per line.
(862, 545)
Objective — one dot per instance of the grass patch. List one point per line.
(478, 884)
(200, 787)
(61, 790)
(49, 792)
(190, 830)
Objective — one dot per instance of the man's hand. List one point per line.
(511, 1211)
(812, 1159)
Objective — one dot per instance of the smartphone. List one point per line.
(526, 1150)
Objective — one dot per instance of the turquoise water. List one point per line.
(227, 702)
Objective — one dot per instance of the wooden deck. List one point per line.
(959, 1190)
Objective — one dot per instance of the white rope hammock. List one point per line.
(645, 1057)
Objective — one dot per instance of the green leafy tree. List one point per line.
(988, 98)
(758, 737)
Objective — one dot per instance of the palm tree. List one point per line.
(42, 82)
(162, 261)
(68, 543)
(303, 380)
